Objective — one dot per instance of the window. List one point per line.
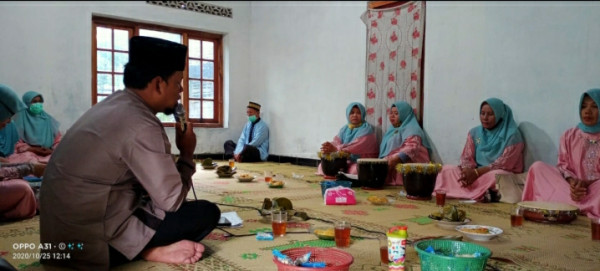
(202, 83)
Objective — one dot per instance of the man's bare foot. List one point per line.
(182, 252)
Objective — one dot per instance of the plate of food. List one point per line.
(209, 166)
(245, 178)
(276, 184)
(449, 213)
(479, 232)
(378, 200)
(223, 174)
(325, 233)
(450, 218)
(451, 225)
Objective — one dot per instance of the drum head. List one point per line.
(420, 164)
(419, 168)
(548, 212)
(371, 160)
(545, 205)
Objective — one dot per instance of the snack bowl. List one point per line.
(324, 233)
(479, 232)
(245, 178)
(378, 200)
(276, 184)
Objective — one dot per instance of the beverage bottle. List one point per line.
(397, 247)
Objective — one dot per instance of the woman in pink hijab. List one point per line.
(574, 179)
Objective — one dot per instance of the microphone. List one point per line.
(179, 115)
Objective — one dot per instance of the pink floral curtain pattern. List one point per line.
(394, 57)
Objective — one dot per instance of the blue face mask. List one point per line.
(36, 108)
(252, 118)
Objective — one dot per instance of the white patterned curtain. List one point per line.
(394, 57)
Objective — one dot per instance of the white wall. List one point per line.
(46, 46)
(537, 57)
(308, 64)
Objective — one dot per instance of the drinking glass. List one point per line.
(279, 222)
(595, 223)
(516, 216)
(342, 234)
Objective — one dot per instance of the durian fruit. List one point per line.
(267, 204)
(224, 169)
(282, 204)
(207, 162)
(437, 215)
(276, 204)
(451, 213)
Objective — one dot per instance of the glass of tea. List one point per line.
(516, 216)
(440, 197)
(342, 234)
(595, 228)
(383, 250)
(279, 222)
(268, 176)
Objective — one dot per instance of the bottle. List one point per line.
(397, 247)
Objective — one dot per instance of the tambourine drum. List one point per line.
(419, 179)
(372, 172)
(331, 167)
(548, 212)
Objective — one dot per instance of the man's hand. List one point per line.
(185, 141)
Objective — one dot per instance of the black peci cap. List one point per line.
(154, 53)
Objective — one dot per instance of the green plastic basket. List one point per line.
(434, 262)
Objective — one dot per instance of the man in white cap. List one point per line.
(112, 189)
(253, 144)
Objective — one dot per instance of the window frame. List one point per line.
(133, 28)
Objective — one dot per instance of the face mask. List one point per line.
(252, 118)
(36, 108)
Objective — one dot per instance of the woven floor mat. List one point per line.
(534, 246)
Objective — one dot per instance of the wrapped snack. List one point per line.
(282, 257)
(264, 236)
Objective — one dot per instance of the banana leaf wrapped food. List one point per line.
(450, 213)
